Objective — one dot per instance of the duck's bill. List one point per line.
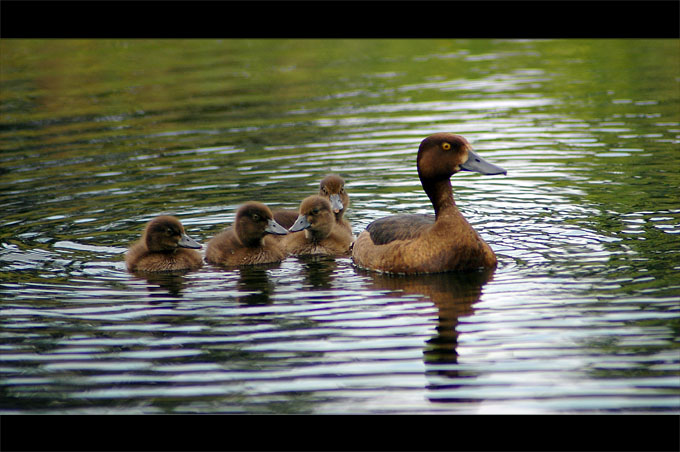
(479, 165)
(336, 203)
(187, 242)
(274, 228)
(300, 224)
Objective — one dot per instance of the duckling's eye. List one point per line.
(446, 146)
(315, 211)
(255, 217)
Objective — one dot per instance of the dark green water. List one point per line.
(582, 314)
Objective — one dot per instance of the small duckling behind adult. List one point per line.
(164, 246)
(247, 241)
(331, 187)
(315, 231)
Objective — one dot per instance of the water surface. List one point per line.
(581, 315)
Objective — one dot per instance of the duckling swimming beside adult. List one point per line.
(164, 246)
(418, 243)
(247, 241)
(331, 187)
(316, 231)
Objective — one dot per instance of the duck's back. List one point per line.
(398, 227)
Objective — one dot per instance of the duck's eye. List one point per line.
(255, 217)
(315, 211)
(446, 146)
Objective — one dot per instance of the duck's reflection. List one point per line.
(254, 285)
(317, 270)
(161, 284)
(454, 295)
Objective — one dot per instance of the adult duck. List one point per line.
(331, 187)
(316, 231)
(412, 243)
(164, 246)
(247, 241)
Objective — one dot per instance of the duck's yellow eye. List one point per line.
(446, 146)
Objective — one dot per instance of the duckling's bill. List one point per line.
(274, 228)
(187, 242)
(300, 224)
(477, 164)
(336, 203)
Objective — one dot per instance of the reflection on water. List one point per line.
(98, 137)
(165, 283)
(254, 286)
(453, 296)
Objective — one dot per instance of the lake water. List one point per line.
(582, 314)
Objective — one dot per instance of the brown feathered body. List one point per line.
(316, 231)
(247, 241)
(411, 244)
(331, 187)
(164, 246)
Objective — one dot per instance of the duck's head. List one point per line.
(316, 217)
(443, 154)
(166, 234)
(333, 188)
(253, 221)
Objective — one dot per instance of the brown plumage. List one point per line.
(247, 242)
(315, 231)
(426, 244)
(285, 218)
(164, 246)
(331, 187)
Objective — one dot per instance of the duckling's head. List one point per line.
(333, 188)
(253, 221)
(443, 154)
(166, 234)
(316, 218)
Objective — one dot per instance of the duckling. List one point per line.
(247, 242)
(315, 231)
(418, 243)
(331, 187)
(164, 246)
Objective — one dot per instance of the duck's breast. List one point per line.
(181, 259)
(224, 249)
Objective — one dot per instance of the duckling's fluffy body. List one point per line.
(316, 231)
(331, 187)
(423, 244)
(247, 241)
(164, 246)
